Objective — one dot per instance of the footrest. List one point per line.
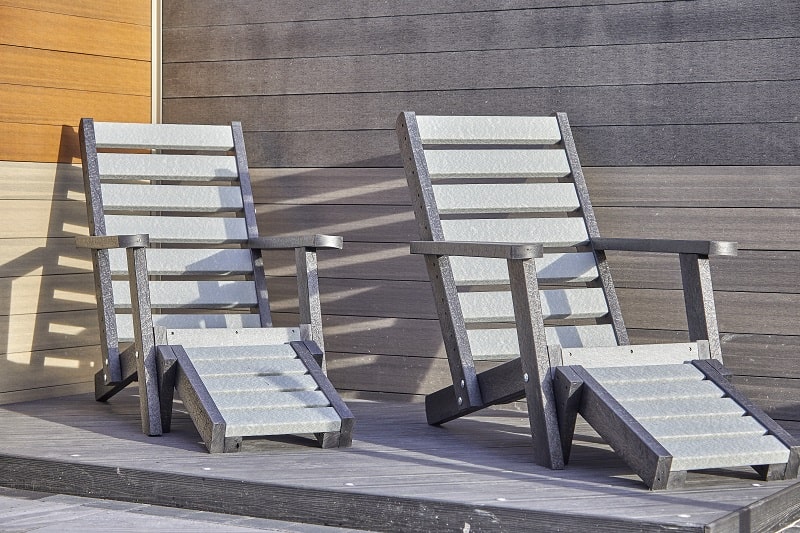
(666, 419)
(261, 390)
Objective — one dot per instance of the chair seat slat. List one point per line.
(116, 166)
(179, 229)
(501, 344)
(177, 261)
(140, 197)
(496, 306)
(163, 136)
(564, 267)
(191, 294)
(552, 232)
(506, 198)
(444, 164)
(488, 130)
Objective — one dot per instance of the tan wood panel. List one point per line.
(48, 368)
(49, 331)
(40, 181)
(47, 105)
(130, 11)
(46, 68)
(46, 294)
(56, 31)
(34, 256)
(42, 218)
(41, 143)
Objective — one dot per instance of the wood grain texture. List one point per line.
(33, 142)
(486, 30)
(132, 11)
(749, 60)
(187, 13)
(28, 28)
(588, 105)
(46, 105)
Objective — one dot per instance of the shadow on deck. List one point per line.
(473, 474)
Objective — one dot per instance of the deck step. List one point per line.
(697, 453)
(244, 422)
(249, 382)
(677, 407)
(702, 425)
(247, 399)
(256, 366)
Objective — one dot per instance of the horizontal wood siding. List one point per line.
(61, 61)
(685, 116)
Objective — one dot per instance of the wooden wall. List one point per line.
(60, 61)
(685, 116)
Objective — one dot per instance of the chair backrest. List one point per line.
(510, 179)
(188, 187)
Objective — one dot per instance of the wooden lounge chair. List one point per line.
(181, 291)
(503, 211)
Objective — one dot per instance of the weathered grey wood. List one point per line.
(640, 450)
(535, 364)
(567, 392)
(190, 338)
(707, 248)
(479, 69)
(198, 403)
(462, 367)
(701, 314)
(344, 436)
(116, 166)
(308, 294)
(451, 26)
(592, 228)
(163, 136)
(477, 249)
(101, 242)
(167, 365)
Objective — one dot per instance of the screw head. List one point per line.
(526, 377)
(463, 384)
(460, 401)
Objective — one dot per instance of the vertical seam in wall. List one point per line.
(155, 62)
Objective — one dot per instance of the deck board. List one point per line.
(400, 474)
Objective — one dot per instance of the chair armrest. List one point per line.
(105, 242)
(707, 248)
(302, 241)
(496, 250)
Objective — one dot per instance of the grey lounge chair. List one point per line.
(503, 210)
(181, 291)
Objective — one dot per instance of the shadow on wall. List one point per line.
(48, 322)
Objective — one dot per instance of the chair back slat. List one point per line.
(488, 130)
(551, 232)
(166, 167)
(140, 197)
(496, 164)
(506, 198)
(577, 267)
(163, 136)
(180, 261)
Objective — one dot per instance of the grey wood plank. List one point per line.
(120, 166)
(753, 229)
(163, 136)
(211, 199)
(750, 60)
(729, 102)
(185, 13)
(461, 29)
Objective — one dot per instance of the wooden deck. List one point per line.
(401, 474)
